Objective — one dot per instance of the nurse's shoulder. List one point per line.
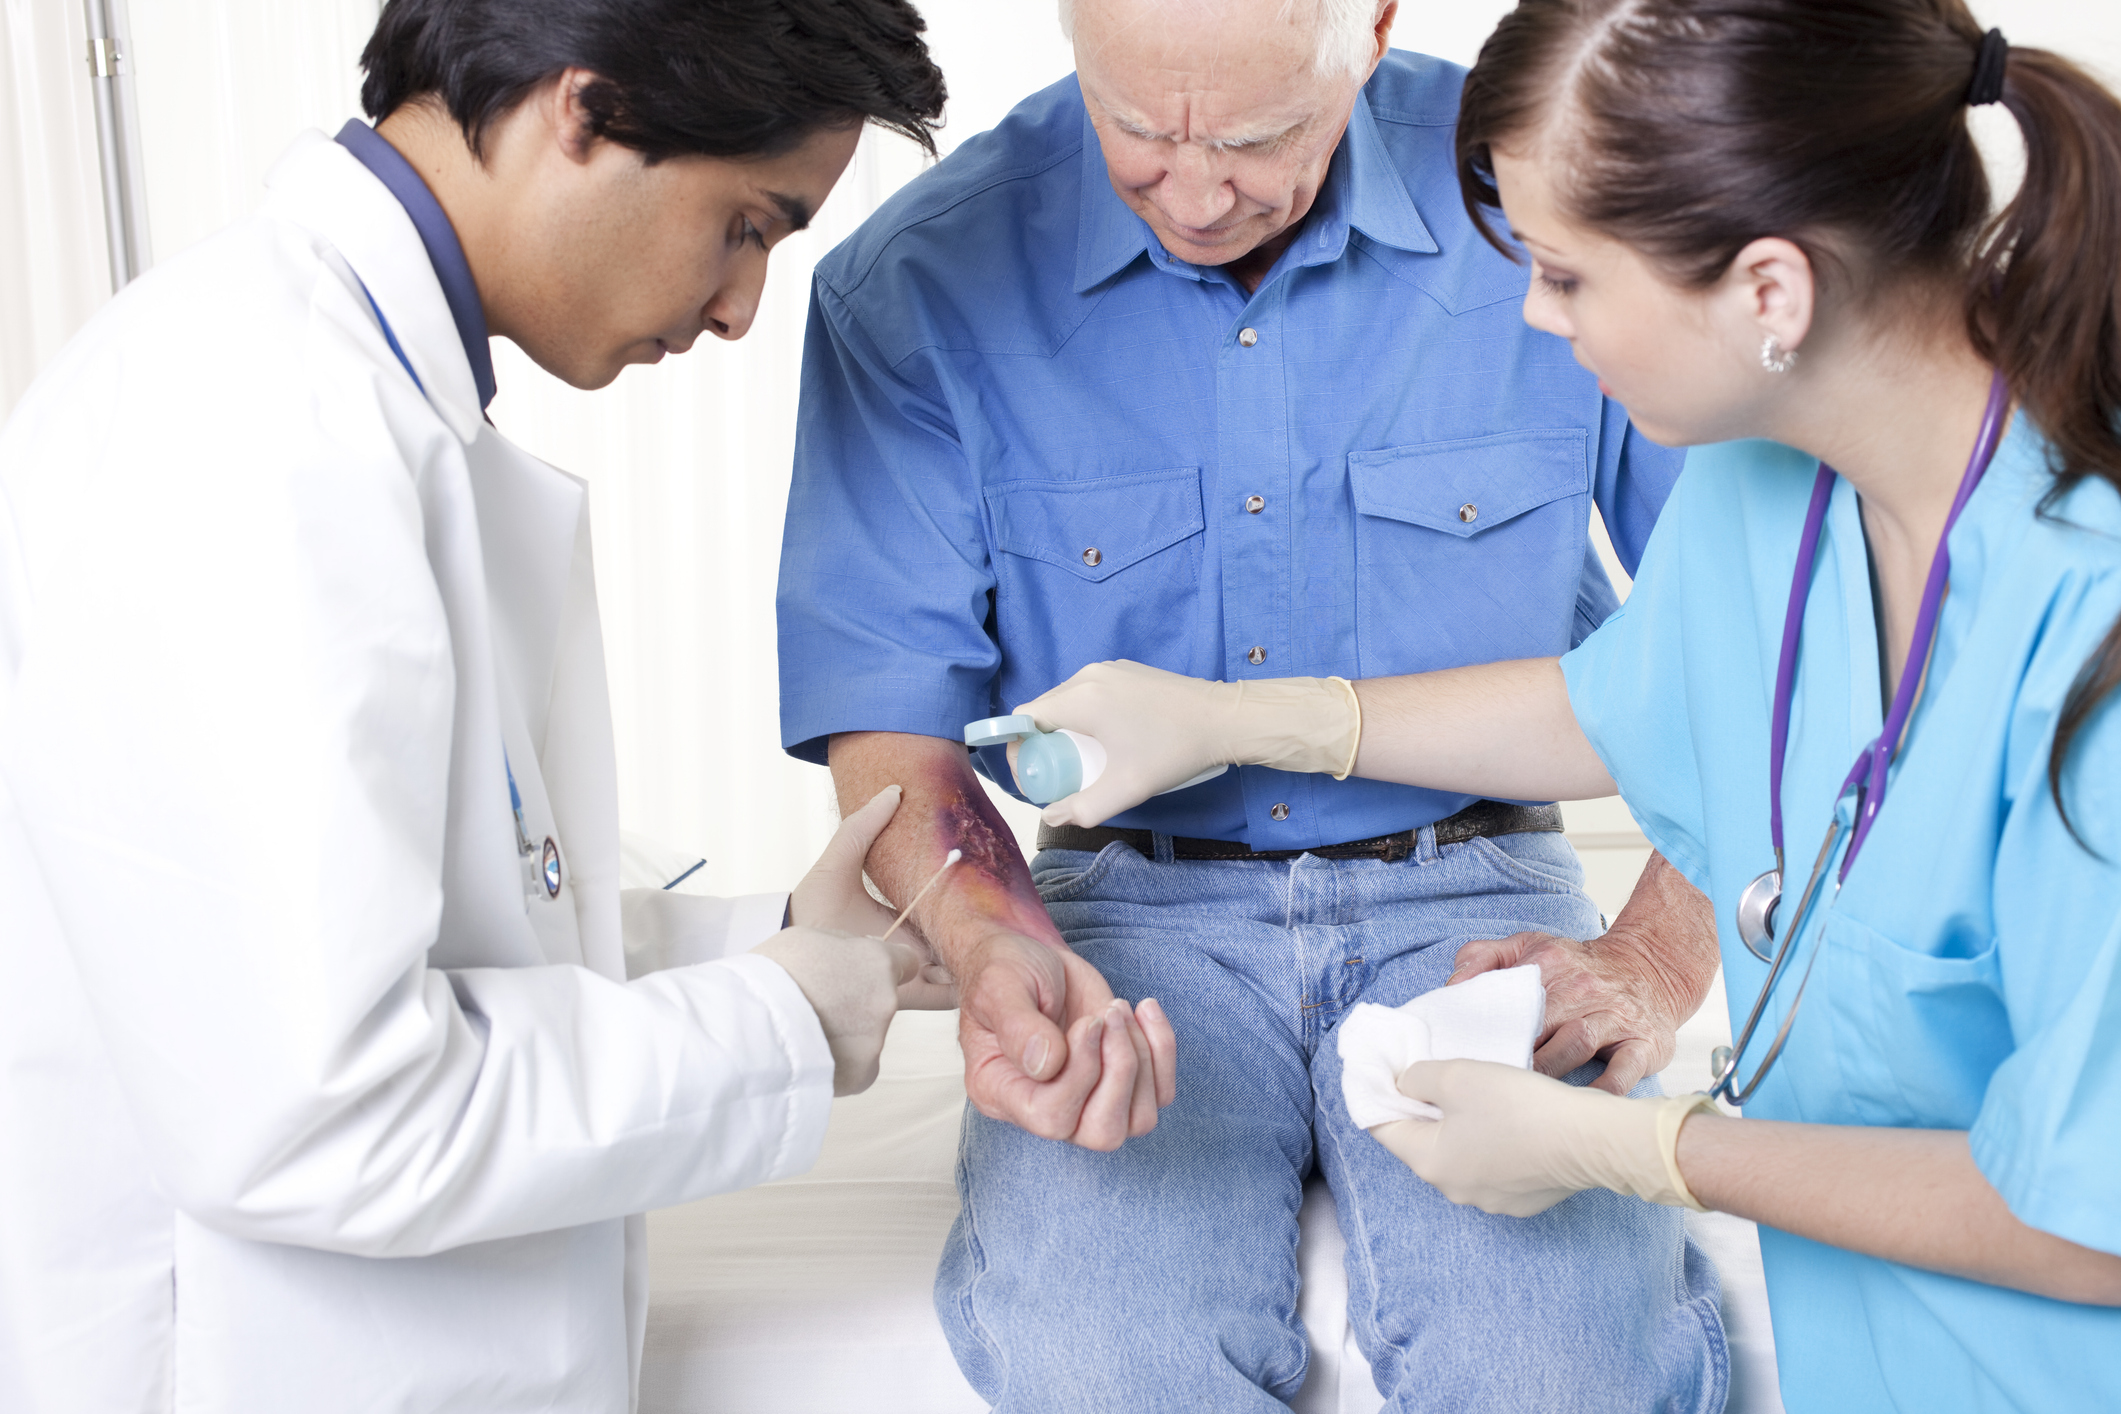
(1743, 499)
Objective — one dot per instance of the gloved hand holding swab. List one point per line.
(949, 859)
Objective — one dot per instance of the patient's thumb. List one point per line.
(1008, 1006)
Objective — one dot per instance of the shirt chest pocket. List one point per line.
(1104, 567)
(1481, 542)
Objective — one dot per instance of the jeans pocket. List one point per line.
(1533, 862)
(1061, 875)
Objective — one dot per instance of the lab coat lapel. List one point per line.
(549, 659)
(323, 187)
(509, 541)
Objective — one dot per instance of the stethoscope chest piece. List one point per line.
(550, 869)
(1867, 779)
(1756, 914)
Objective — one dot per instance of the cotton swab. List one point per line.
(949, 859)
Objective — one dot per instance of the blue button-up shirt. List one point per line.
(1030, 439)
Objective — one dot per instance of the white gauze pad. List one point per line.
(1496, 1016)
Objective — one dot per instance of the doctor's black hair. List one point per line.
(715, 78)
(1689, 128)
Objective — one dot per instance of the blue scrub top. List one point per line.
(1971, 977)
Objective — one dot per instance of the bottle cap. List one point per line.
(999, 731)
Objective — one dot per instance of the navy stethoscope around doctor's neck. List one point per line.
(1758, 905)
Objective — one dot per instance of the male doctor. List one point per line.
(333, 1063)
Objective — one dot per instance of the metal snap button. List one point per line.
(1280, 812)
(1469, 513)
(1257, 656)
(1248, 337)
(1255, 504)
(1092, 557)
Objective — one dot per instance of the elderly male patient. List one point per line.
(1197, 360)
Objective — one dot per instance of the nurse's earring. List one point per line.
(1774, 357)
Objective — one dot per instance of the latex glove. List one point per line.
(1517, 1142)
(1160, 729)
(852, 984)
(832, 896)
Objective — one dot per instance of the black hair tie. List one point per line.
(1989, 60)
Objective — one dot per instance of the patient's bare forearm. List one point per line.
(1499, 729)
(1671, 925)
(945, 808)
(1908, 1195)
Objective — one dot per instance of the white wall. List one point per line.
(53, 268)
(688, 462)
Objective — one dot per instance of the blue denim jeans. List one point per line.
(1164, 1276)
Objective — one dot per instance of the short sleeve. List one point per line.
(885, 587)
(1635, 478)
(1627, 687)
(2048, 1136)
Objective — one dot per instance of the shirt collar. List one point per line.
(1363, 192)
(444, 251)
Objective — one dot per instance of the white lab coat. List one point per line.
(307, 1104)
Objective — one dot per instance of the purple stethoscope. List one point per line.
(1867, 778)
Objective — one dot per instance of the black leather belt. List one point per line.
(1481, 818)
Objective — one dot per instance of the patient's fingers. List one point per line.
(1105, 1114)
(1057, 1108)
(1624, 1069)
(1141, 1113)
(1163, 1048)
(1571, 1044)
(1489, 955)
(1007, 1003)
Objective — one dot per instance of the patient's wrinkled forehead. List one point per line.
(1198, 37)
(1227, 73)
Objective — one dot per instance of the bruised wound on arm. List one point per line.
(945, 808)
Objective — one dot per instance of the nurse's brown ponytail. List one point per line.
(2044, 305)
(1689, 128)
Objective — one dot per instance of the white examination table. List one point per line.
(812, 1296)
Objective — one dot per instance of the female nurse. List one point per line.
(1882, 610)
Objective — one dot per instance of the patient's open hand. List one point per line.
(1620, 997)
(1050, 1049)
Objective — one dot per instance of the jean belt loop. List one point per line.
(1425, 851)
(1162, 844)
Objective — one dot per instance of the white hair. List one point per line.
(1347, 32)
